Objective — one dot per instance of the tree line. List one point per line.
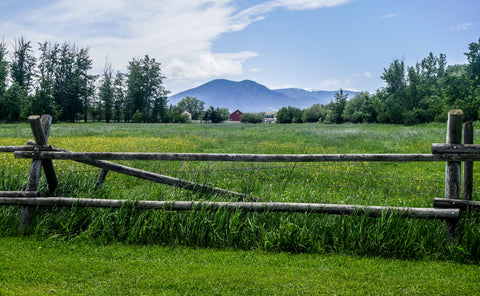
(414, 94)
(59, 82)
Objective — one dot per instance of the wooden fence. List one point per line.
(453, 153)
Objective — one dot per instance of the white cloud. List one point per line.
(330, 84)
(206, 64)
(461, 27)
(309, 4)
(390, 15)
(257, 12)
(367, 74)
(178, 33)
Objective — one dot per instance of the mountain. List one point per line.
(310, 97)
(250, 96)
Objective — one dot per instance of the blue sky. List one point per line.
(311, 44)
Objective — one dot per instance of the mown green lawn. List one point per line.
(30, 266)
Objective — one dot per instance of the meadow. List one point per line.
(363, 183)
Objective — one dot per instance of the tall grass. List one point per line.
(391, 184)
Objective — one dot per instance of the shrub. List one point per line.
(138, 117)
(251, 118)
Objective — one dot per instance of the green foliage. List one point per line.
(359, 109)
(11, 103)
(145, 91)
(66, 77)
(215, 115)
(59, 83)
(289, 115)
(337, 107)
(3, 68)
(224, 113)
(138, 117)
(40, 103)
(119, 91)
(473, 58)
(251, 118)
(315, 113)
(175, 115)
(192, 105)
(106, 92)
(23, 64)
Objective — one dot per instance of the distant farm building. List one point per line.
(236, 115)
(268, 120)
(188, 114)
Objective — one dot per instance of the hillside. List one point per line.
(250, 96)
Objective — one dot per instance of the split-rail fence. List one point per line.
(453, 153)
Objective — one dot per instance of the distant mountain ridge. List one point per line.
(250, 96)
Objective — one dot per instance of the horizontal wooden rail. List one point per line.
(371, 211)
(19, 193)
(15, 148)
(162, 179)
(85, 156)
(456, 203)
(440, 148)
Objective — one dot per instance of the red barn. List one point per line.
(236, 115)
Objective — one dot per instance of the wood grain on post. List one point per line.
(101, 178)
(32, 185)
(40, 126)
(48, 165)
(468, 165)
(453, 168)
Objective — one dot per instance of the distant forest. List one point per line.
(421, 93)
(59, 82)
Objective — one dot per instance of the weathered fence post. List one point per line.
(453, 168)
(468, 165)
(101, 178)
(40, 126)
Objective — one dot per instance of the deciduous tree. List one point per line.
(145, 90)
(106, 92)
(192, 105)
(22, 66)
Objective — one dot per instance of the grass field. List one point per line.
(41, 267)
(322, 238)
